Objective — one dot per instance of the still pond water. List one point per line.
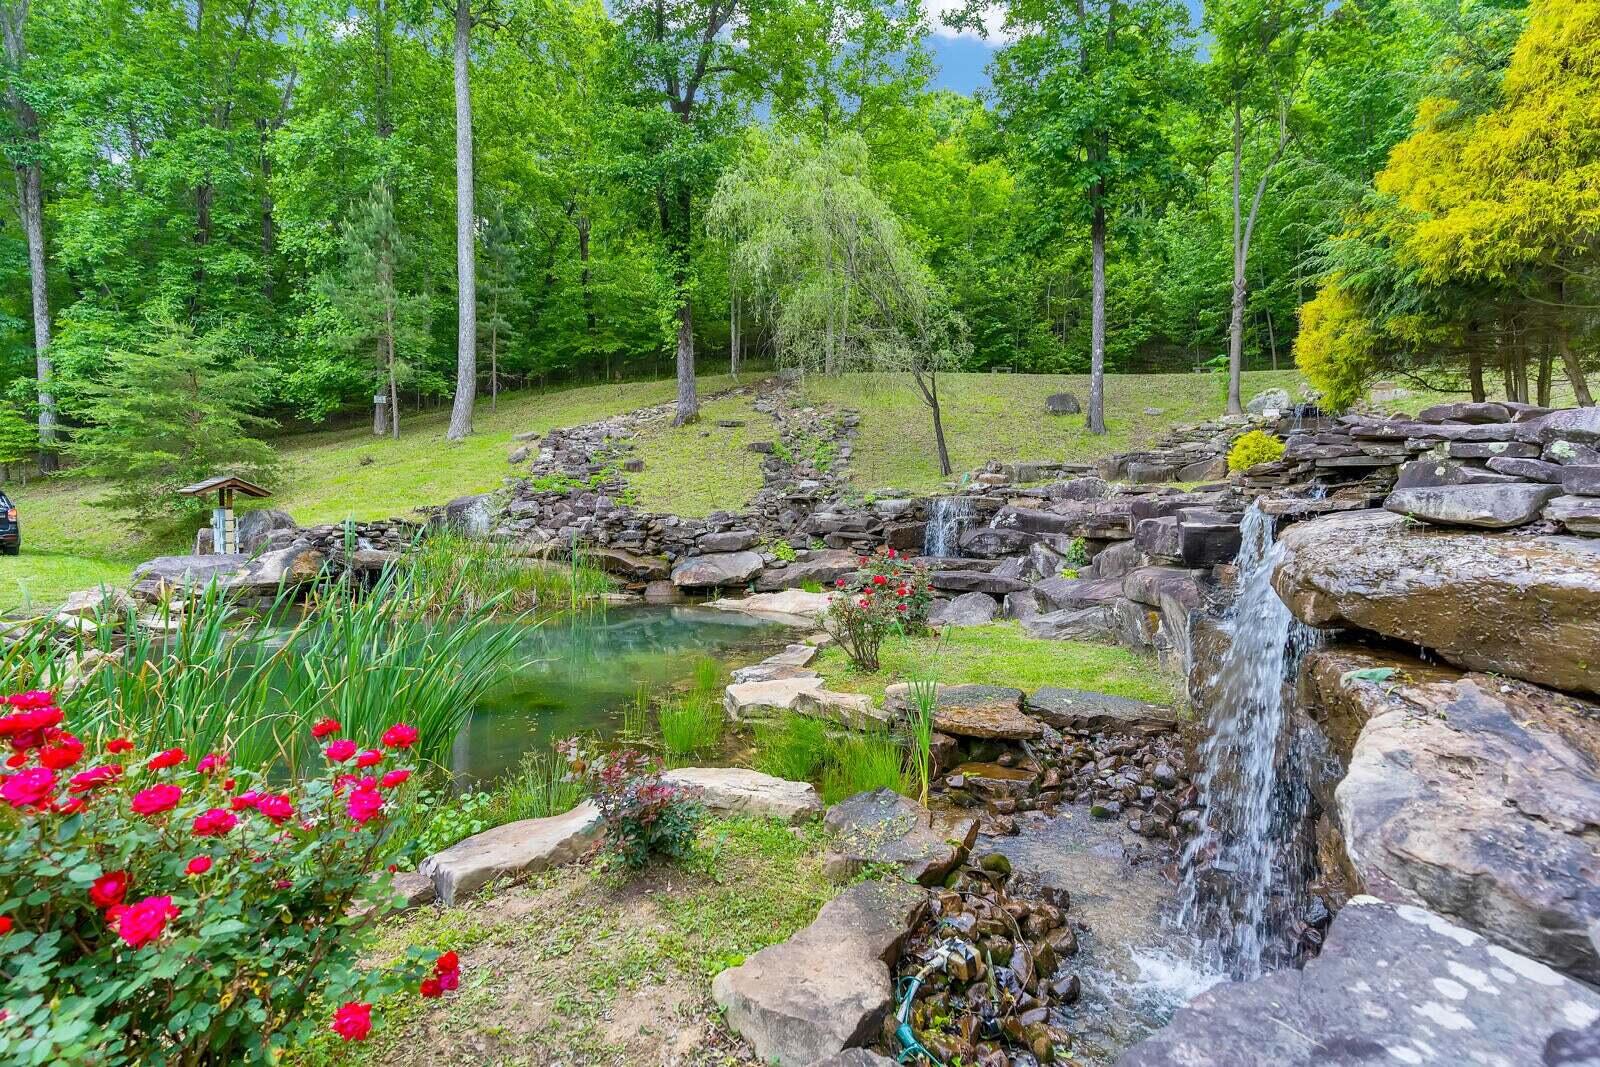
(579, 674)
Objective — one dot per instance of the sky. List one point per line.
(962, 57)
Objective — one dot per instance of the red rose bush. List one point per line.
(889, 594)
(163, 908)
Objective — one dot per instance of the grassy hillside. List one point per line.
(328, 476)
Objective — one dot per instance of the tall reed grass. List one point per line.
(691, 723)
(448, 574)
(842, 763)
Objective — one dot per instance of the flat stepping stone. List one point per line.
(983, 711)
(737, 791)
(1080, 709)
(884, 827)
(1489, 507)
(828, 987)
(763, 700)
(1395, 984)
(793, 607)
(512, 851)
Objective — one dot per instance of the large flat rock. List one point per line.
(762, 700)
(1525, 606)
(716, 569)
(1079, 709)
(796, 607)
(828, 987)
(1489, 507)
(1478, 798)
(737, 791)
(985, 711)
(1393, 985)
(884, 827)
(512, 851)
(232, 573)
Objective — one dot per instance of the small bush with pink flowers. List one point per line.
(644, 815)
(166, 908)
(889, 594)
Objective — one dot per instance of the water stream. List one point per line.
(946, 516)
(1244, 874)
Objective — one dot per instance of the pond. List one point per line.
(581, 673)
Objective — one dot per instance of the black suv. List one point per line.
(10, 532)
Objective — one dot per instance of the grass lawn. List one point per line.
(1001, 654)
(583, 966)
(700, 468)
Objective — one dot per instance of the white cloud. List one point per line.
(993, 21)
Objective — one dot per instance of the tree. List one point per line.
(466, 233)
(500, 292)
(170, 412)
(825, 256)
(24, 148)
(1261, 52)
(1084, 90)
(379, 316)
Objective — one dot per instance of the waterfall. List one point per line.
(1245, 871)
(946, 515)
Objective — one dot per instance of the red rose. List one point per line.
(68, 807)
(893, 554)
(17, 759)
(214, 822)
(145, 921)
(447, 962)
(864, 602)
(449, 980)
(61, 753)
(228, 784)
(29, 788)
(370, 758)
(162, 760)
(324, 728)
(5, 925)
(109, 889)
(32, 699)
(343, 782)
(400, 735)
(244, 801)
(902, 591)
(276, 807)
(431, 988)
(364, 804)
(211, 763)
(198, 865)
(899, 607)
(84, 781)
(340, 750)
(878, 579)
(156, 799)
(353, 1021)
(119, 744)
(394, 777)
(838, 583)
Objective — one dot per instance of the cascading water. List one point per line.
(946, 516)
(1245, 871)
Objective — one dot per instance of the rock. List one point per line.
(986, 711)
(471, 516)
(1579, 514)
(1022, 605)
(794, 606)
(1530, 470)
(254, 526)
(1062, 404)
(1204, 470)
(662, 591)
(827, 988)
(1574, 425)
(233, 573)
(728, 541)
(520, 454)
(968, 609)
(1393, 985)
(762, 700)
(822, 567)
(1479, 798)
(414, 889)
(975, 582)
(1581, 480)
(1081, 710)
(854, 711)
(1488, 507)
(716, 569)
(1514, 605)
(994, 782)
(1268, 400)
(1465, 411)
(102, 601)
(1073, 594)
(511, 851)
(855, 1057)
(1080, 624)
(1158, 537)
(736, 791)
(1487, 450)
(629, 565)
(884, 827)
(1422, 473)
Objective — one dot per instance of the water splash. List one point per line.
(946, 516)
(1243, 875)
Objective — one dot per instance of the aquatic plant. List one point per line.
(537, 789)
(691, 723)
(924, 697)
(447, 573)
(792, 746)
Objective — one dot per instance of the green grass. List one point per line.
(43, 579)
(691, 723)
(841, 763)
(702, 467)
(1001, 654)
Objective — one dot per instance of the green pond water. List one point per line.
(579, 674)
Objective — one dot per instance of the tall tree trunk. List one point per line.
(1097, 333)
(494, 352)
(585, 281)
(1475, 373)
(928, 385)
(688, 399)
(1569, 359)
(466, 250)
(30, 205)
(1236, 315)
(1547, 359)
(734, 340)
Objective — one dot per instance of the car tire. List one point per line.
(12, 550)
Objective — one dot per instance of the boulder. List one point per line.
(1394, 984)
(254, 526)
(1514, 605)
(762, 700)
(1072, 594)
(1581, 479)
(736, 791)
(968, 609)
(1487, 450)
(824, 567)
(630, 565)
(1528, 470)
(728, 541)
(233, 573)
(1079, 709)
(1574, 425)
(1487, 507)
(716, 569)
(1479, 798)
(512, 851)
(471, 516)
(1158, 537)
(1465, 411)
(794, 606)
(1579, 514)
(90, 602)
(884, 827)
(975, 582)
(854, 711)
(1268, 400)
(828, 987)
(986, 711)
(1073, 624)
(1062, 404)
(1422, 473)
(1023, 605)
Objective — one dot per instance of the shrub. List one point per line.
(887, 595)
(1257, 446)
(160, 909)
(644, 815)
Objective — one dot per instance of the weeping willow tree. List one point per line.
(823, 261)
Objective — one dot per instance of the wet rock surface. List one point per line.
(884, 827)
(1517, 605)
(1081, 710)
(1394, 984)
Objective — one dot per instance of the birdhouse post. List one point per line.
(224, 527)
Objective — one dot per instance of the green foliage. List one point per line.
(439, 819)
(169, 411)
(450, 574)
(690, 724)
(1077, 554)
(792, 746)
(888, 595)
(842, 764)
(924, 699)
(1254, 447)
(537, 789)
(645, 817)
